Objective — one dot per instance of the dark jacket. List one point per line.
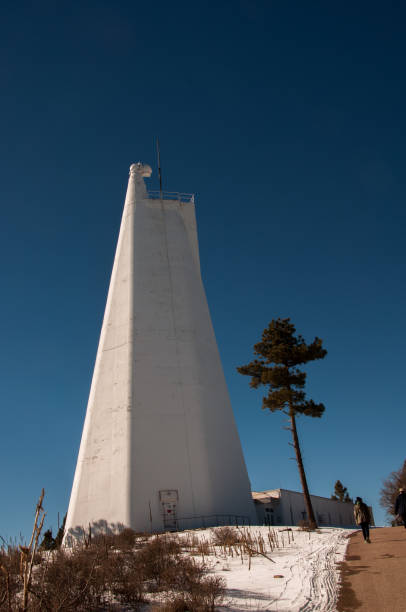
(400, 504)
(361, 513)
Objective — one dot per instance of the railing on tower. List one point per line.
(209, 520)
(172, 195)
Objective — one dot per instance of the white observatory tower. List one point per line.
(160, 448)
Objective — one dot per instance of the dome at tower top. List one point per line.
(140, 169)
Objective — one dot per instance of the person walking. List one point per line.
(362, 517)
(400, 505)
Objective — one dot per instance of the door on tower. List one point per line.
(169, 505)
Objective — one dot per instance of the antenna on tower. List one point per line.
(159, 167)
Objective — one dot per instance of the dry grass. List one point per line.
(111, 572)
(10, 580)
(123, 571)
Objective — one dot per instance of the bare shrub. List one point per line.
(164, 568)
(204, 596)
(390, 490)
(208, 593)
(156, 560)
(90, 578)
(10, 580)
(124, 578)
(204, 548)
(177, 603)
(68, 581)
(190, 541)
(183, 574)
(125, 540)
(109, 572)
(225, 536)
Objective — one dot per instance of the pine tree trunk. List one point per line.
(306, 494)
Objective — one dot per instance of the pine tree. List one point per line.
(48, 542)
(341, 493)
(390, 489)
(280, 353)
(60, 534)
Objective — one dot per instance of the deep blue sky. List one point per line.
(287, 119)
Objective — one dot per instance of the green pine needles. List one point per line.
(341, 493)
(280, 353)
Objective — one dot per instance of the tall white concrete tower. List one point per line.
(159, 448)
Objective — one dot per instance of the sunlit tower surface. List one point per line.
(160, 448)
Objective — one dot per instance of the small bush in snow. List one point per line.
(225, 536)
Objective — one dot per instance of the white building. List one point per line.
(284, 507)
(159, 447)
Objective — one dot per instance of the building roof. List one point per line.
(265, 497)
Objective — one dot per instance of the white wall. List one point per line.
(159, 415)
(327, 511)
(289, 509)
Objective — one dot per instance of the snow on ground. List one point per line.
(304, 577)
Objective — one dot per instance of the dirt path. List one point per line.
(374, 575)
